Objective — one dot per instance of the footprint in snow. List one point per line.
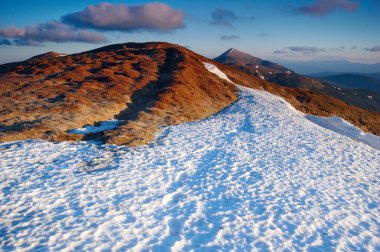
(174, 226)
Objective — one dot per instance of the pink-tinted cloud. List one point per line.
(121, 17)
(324, 7)
(12, 32)
(52, 31)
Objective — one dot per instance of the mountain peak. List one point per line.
(236, 57)
(230, 50)
(235, 52)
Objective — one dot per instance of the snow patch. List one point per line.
(103, 126)
(213, 69)
(262, 77)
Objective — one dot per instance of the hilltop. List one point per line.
(144, 86)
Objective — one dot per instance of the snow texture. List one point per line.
(103, 126)
(257, 176)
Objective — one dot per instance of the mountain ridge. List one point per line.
(281, 75)
(354, 81)
(144, 86)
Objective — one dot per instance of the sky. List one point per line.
(286, 30)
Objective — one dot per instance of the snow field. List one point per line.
(256, 176)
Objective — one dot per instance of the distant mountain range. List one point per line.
(327, 74)
(357, 95)
(354, 81)
(335, 66)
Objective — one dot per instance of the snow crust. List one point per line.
(103, 126)
(257, 176)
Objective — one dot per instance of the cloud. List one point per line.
(156, 17)
(12, 32)
(306, 50)
(373, 49)
(52, 31)
(223, 17)
(354, 48)
(281, 52)
(338, 49)
(5, 42)
(263, 35)
(324, 7)
(229, 37)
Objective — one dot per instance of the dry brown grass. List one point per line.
(145, 85)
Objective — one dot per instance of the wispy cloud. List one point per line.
(52, 31)
(156, 17)
(223, 17)
(373, 49)
(338, 49)
(227, 18)
(305, 49)
(324, 7)
(300, 50)
(229, 37)
(263, 35)
(281, 52)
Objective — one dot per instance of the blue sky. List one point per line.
(275, 30)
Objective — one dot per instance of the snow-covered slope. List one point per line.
(345, 128)
(256, 176)
(336, 124)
